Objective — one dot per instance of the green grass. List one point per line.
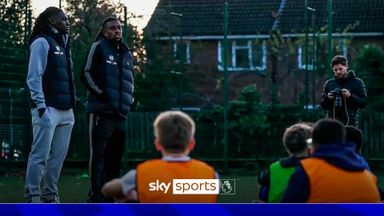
(74, 189)
(247, 190)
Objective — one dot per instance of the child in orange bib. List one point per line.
(151, 182)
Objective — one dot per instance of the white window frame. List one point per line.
(342, 43)
(233, 64)
(300, 63)
(187, 50)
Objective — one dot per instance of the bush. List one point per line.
(369, 65)
(255, 129)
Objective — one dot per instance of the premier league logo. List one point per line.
(228, 187)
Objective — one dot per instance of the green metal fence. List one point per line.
(209, 138)
(372, 125)
(16, 140)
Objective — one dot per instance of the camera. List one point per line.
(337, 93)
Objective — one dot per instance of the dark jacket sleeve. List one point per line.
(264, 181)
(325, 102)
(88, 75)
(263, 194)
(298, 187)
(359, 96)
(264, 178)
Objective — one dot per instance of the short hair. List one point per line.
(295, 137)
(354, 135)
(174, 129)
(339, 59)
(103, 24)
(327, 131)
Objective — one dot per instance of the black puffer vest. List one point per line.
(58, 83)
(115, 78)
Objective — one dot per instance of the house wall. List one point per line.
(207, 80)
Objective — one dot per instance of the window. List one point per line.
(244, 55)
(301, 61)
(339, 48)
(181, 51)
(301, 57)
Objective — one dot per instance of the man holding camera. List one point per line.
(344, 94)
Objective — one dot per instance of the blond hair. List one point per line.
(174, 130)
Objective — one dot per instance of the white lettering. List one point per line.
(159, 186)
(196, 186)
(152, 186)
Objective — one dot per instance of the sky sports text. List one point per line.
(194, 186)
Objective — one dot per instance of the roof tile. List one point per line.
(205, 17)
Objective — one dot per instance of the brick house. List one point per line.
(191, 31)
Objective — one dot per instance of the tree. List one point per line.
(15, 25)
(369, 64)
(247, 122)
(14, 22)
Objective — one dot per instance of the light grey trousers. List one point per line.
(51, 136)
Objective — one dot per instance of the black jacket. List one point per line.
(356, 101)
(108, 77)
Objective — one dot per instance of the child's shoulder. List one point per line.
(201, 163)
(150, 161)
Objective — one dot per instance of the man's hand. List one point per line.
(346, 93)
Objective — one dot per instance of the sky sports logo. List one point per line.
(195, 186)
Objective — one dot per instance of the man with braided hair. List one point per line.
(108, 76)
(51, 85)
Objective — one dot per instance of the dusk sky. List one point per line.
(139, 7)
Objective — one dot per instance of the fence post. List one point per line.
(225, 86)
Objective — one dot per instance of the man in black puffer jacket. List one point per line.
(344, 94)
(108, 77)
